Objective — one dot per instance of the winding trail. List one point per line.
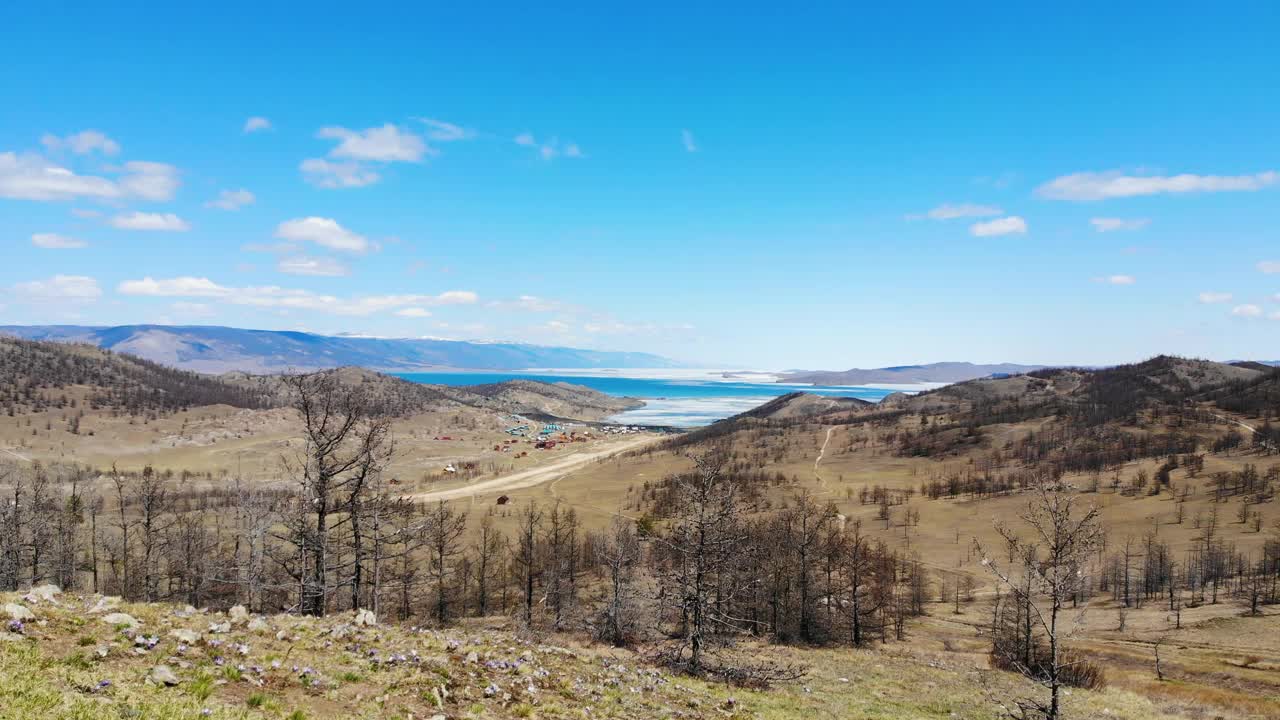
(549, 472)
(11, 453)
(821, 453)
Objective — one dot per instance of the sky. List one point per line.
(776, 186)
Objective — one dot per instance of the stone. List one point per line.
(162, 675)
(119, 618)
(473, 657)
(184, 636)
(341, 631)
(258, 625)
(366, 618)
(43, 593)
(223, 627)
(238, 615)
(104, 604)
(18, 612)
(10, 637)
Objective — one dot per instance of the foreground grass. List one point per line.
(70, 663)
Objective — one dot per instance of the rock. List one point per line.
(162, 675)
(187, 637)
(104, 604)
(223, 627)
(18, 612)
(238, 615)
(473, 657)
(43, 593)
(185, 612)
(10, 637)
(258, 625)
(120, 618)
(341, 631)
(282, 636)
(366, 618)
(102, 651)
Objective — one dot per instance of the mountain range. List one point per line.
(213, 349)
(941, 372)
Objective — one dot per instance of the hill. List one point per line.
(942, 372)
(35, 376)
(801, 404)
(92, 658)
(213, 349)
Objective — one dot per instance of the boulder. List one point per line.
(43, 593)
(238, 615)
(104, 604)
(18, 612)
(119, 618)
(366, 618)
(184, 636)
(258, 625)
(162, 675)
(222, 627)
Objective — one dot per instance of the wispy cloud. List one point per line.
(313, 266)
(549, 149)
(271, 296)
(322, 231)
(68, 288)
(33, 177)
(326, 174)
(387, 143)
(1089, 186)
(1106, 224)
(1214, 298)
(442, 131)
(690, 145)
(156, 222)
(1270, 267)
(256, 123)
(949, 211)
(1003, 226)
(1247, 311)
(54, 241)
(231, 200)
(82, 143)
(413, 312)
(1116, 280)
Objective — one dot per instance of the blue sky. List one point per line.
(775, 187)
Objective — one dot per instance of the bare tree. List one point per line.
(620, 553)
(444, 529)
(1061, 540)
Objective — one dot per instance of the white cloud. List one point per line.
(550, 149)
(256, 123)
(271, 296)
(948, 211)
(326, 174)
(557, 326)
(1117, 280)
(525, 139)
(161, 222)
(231, 200)
(1248, 311)
(442, 131)
(1002, 226)
(381, 144)
(150, 180)
(82, 143)
(54, 241)
(322, 231)
(531, 303)
(572, 150)
(1213, 298)
(32, 177)
(85, 213)
(1087, 186)
(686, 138)
(316, 266)
(68, 288)
(191, 309)
(1103, 224)
(1270, 267)
(414, 312)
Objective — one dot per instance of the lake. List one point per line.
(686, 400)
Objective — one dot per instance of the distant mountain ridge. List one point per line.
(941, 372)
(215, 349)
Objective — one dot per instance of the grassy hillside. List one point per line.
(81, 659)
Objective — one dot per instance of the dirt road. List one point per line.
(535, 475)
